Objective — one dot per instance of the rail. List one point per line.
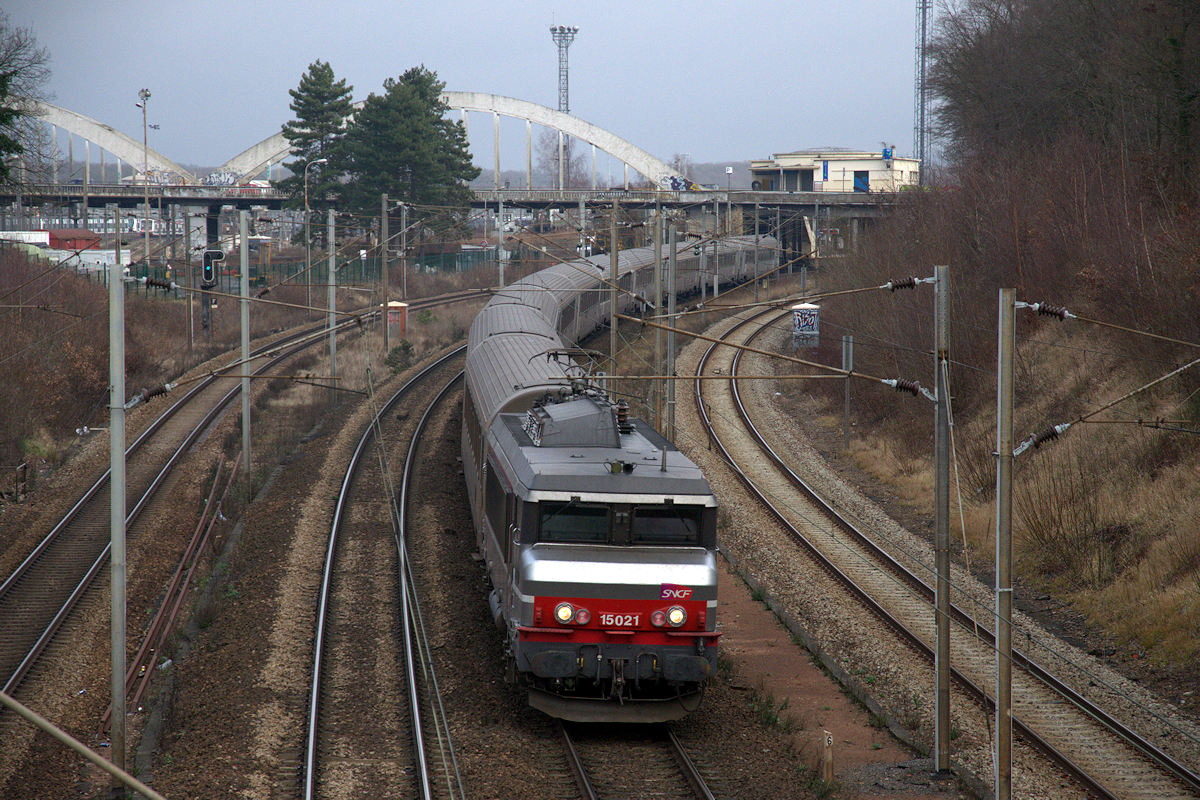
(1087, 708)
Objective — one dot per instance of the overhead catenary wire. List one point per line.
(920, 559)
(1054, 431)
(1062, 313)
(899, 384)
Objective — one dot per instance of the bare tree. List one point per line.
(24, 70)
(575, 173)
(1016, 75)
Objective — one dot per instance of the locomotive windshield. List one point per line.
(621, 524)
(573, 522)
(669, 524)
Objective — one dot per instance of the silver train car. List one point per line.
(598, 536)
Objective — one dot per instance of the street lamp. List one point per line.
(308, 236)
(144, 95)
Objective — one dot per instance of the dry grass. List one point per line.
(64, 351)
(910, 477)
(1105, 516)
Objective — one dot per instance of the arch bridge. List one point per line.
(274, 149)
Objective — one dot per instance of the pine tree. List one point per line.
(400, 143)
(322, 107)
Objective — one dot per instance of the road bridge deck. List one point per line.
(132, 195)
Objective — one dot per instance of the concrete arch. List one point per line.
(275, 148)
(655, 170)
(122, 146)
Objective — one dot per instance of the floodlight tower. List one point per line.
(563, 35)
(921, 145)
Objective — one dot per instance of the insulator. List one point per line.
(1052, 311)
(155, 392)
(262, 292)
(1047, 435)
(159, 282)
(912, 387)
(902, 283)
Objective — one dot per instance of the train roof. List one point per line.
(509, 370)
(594, 458)
(507, 365)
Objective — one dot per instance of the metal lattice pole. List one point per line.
(921, 96)
(563, 35)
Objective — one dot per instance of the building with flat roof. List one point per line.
(834, 170)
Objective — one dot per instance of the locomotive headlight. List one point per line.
(676, 616)
(564, 613)
(658, 619)
(582, 616)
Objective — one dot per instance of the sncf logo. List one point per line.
(671, 591)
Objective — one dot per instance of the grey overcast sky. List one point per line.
(716, 80)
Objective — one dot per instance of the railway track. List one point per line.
(1107, 757)
(370, 649)
(37, 597)
(42, 592)
(616, 761)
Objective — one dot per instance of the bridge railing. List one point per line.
(156, 190)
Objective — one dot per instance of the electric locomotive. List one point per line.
(599, 536)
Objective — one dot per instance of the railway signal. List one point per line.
(208, 275)
(208, 280)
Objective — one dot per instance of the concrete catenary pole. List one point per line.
(496, 148)
(613, 253)
(562, 166)
(243, 235)
(756, 280)
(500, 237)
(848, 365)
(383, 267)
(404, 252)
(658, 342)
(144, 94)
(116, 443)
(87, 180)
(942, 517)
(1004, 458)
(189, 279)
(332, 311)
(671, 290)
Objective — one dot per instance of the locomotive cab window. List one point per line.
(667, 524)
(573, 522)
